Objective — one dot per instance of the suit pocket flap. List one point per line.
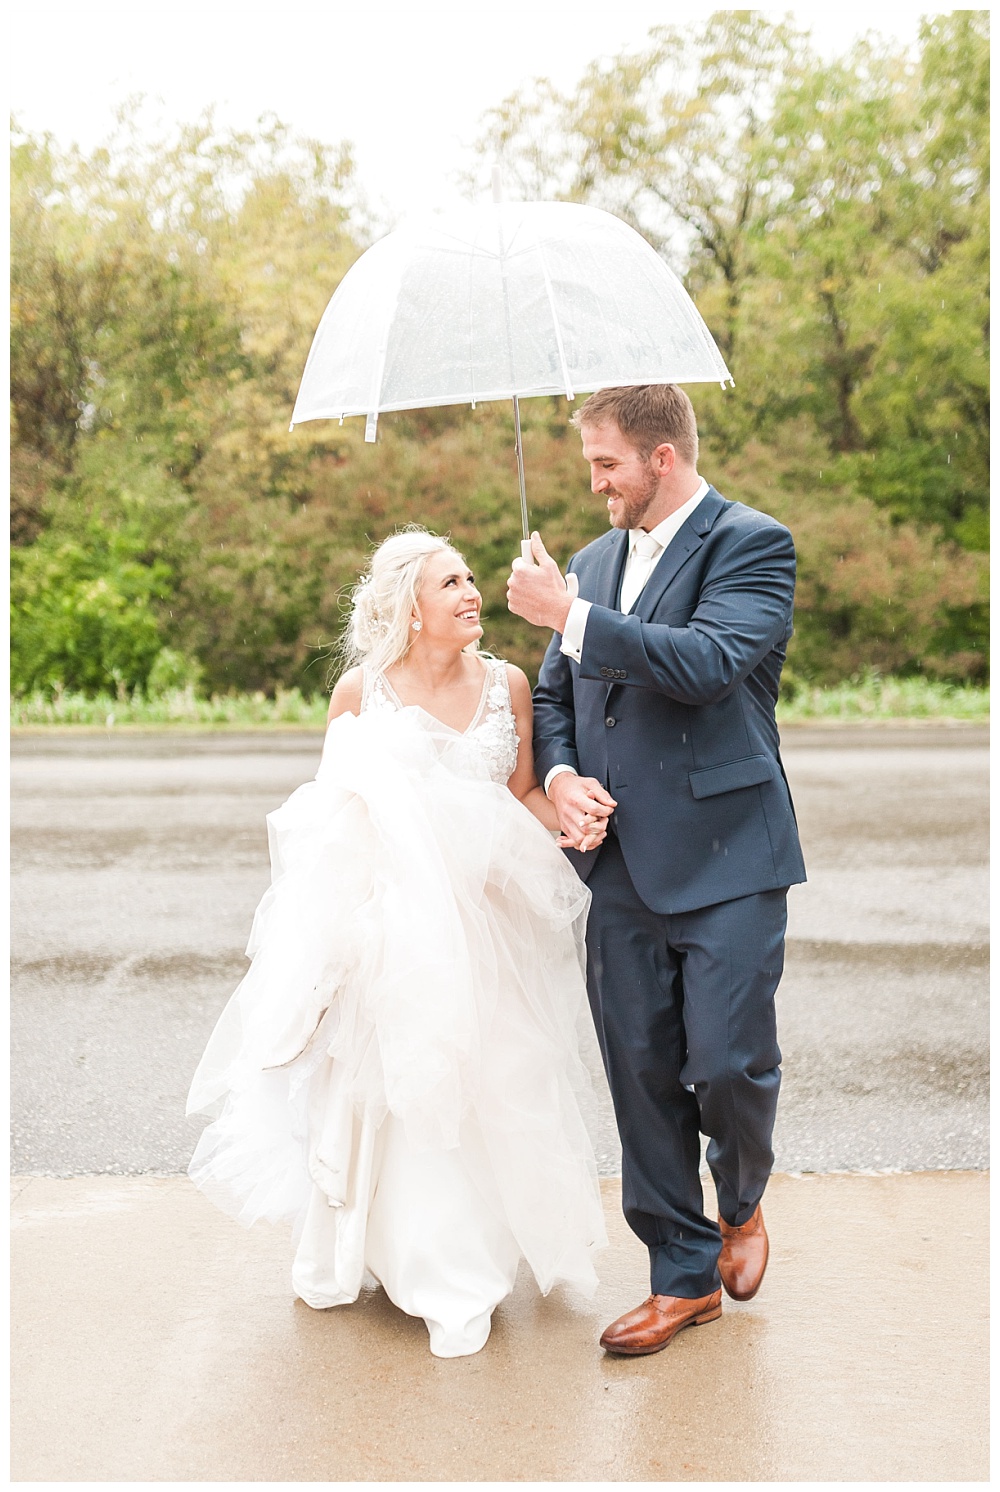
(747, 772)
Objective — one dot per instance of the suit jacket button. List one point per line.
(621, 674)
(609, 721)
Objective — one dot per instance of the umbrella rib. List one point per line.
(472, 340)
(510, 363)
(693, 322)
(555, 321)
(371, 423)
(502, 258)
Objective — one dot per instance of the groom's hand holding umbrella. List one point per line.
(540, 594)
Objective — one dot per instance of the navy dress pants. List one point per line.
(684, 1002)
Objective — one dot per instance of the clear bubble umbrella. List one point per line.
(506, 300)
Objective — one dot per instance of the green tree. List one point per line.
(674, 139)
(163, 300)
(831, 218)
(831, 221)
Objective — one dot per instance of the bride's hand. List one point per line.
(593, 832)
(584, 808)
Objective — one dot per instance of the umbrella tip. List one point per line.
(497, 184)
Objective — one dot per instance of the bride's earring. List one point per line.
(416, 626)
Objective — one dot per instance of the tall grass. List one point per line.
(875, 698)
(868, 698)
(173, 707)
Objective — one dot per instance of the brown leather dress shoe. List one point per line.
(657, 1321)
(744, 1257)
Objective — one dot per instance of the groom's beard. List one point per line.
(635, 505)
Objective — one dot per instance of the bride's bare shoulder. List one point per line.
(347, 695)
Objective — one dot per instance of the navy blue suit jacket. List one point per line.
(672, 707)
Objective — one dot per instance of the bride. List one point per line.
(398, 1072)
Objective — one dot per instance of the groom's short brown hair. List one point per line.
(649, 415)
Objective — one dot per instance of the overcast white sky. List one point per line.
(405, 82)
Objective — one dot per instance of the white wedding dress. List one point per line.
(399, 1070)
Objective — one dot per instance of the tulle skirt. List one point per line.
(399, 1071)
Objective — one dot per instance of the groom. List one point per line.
(654, 721)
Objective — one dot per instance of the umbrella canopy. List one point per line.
(498, 301)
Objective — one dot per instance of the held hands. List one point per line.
(583, 807)
(538, 591)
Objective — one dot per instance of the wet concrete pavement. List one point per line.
(138, 861)
(156, 1340)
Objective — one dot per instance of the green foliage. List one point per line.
(83, 613)
(171, 673)
(872, 592)
(163, 298)
(831, 217)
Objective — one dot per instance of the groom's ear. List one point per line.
(664, 459)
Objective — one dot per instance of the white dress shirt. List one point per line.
(644, 552)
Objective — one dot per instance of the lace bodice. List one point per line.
(493, 727)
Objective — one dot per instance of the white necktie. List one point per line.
(645, 552)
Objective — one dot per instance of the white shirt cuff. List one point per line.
(576, 626)
(554, 772)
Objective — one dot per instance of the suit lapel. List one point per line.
(608, 577)
(686, 541)
(607, 581)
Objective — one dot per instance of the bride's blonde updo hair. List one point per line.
(382, 602)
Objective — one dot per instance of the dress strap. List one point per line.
(499, 668)
(375, 691)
